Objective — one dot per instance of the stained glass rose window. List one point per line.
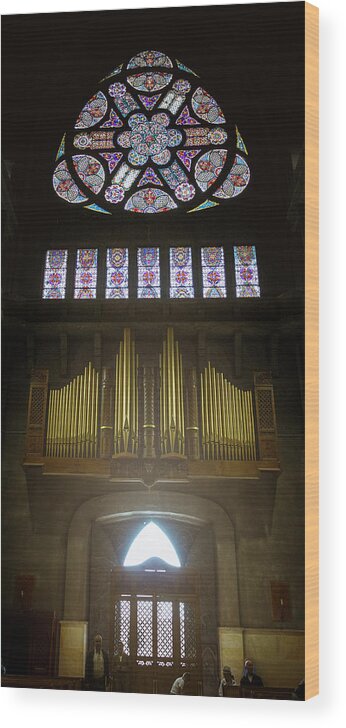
(151, 139)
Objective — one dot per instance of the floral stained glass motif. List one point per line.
(117, 283)
(181, 280)
(54, 281)
(86, 274)
(148, 264)
(149, 177)
(65, 185)
(246, 272)
(90, 171)
(149, 81)
(206, 107)
(209, 167)
(213, 273)
(150, 201)
(236, 181)
(150, 58)
(150, 118)
(92, 112)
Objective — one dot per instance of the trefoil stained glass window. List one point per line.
(246, 272)
(151, 139)
(54, 280)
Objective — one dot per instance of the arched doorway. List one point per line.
(155, 615)
(88, 598)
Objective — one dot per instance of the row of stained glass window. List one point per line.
(148, 268)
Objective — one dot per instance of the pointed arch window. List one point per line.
(86, 274)
(54, 281)
(246, 271)
(213, 273)
(117, 284)
(148, 261)
(151, 542)
(181, 280)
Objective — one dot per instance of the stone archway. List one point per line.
(179, 506)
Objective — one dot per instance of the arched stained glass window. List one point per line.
(148, 263)
(181, 281)
(117, 283)
(151, 139)
(246, 272)
(213, 273)
(151, 542)
(54, 280)
(86, 274)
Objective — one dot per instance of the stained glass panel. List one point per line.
(117, 280)
(213, 273)
(54, 281)
(86, 274)
(148, 273)
(246, 272)
(181, 278)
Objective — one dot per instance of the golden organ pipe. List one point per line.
(252, 423)
(245, 426)
(164, 398)
(133, 397)
(210, 415)
(67, 420)
(96, 411)
(202, 417)
(56, 423)
(240, 444)
(178, 399)
(52, 399)
(116, 403)
(207, 419)
(252, 434)
(247, 402)
(49, 427)
(182, 405)
(73, 419)
(58, 409)
(92, 412)
(79, 424)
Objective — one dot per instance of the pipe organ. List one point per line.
(136, 410)
(227, 419)
(72, 425)
(172, 427)
(126, 398)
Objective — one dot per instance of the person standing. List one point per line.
(121, 670)
(96, 667)
(181, 684)
(226, 682)
(250, 677)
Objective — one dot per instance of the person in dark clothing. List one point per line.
(249, 677)
(121, 671)
(96, 667)
(299, 691)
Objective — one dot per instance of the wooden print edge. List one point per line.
(311, 354)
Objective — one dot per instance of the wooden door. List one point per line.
(155, 614)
